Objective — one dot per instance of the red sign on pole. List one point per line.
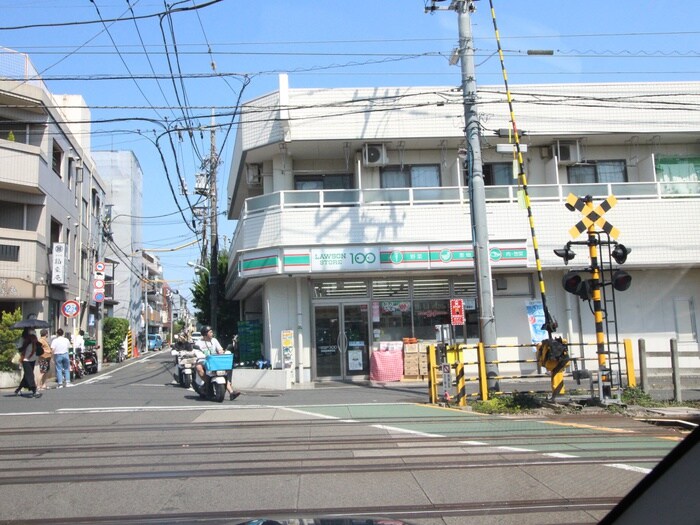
(457, 311)
(70, 309)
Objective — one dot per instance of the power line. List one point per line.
(120, 19)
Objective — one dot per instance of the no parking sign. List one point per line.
(70, 309)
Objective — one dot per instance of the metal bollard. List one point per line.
(643, 374)
(675, 372)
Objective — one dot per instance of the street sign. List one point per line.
(100, 267)
(98, 296)
(457, 312)
(70, 309)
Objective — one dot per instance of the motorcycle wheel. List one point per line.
(219, 392)
(186, 381)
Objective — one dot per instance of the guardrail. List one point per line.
(454, 360)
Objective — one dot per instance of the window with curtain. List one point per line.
(602, 171)
(424, 176)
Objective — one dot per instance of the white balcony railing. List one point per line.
(456, 195)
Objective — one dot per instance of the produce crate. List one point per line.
(219, 362)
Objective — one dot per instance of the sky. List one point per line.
(124, 68)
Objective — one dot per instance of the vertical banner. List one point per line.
(58, 266)
(535, 319)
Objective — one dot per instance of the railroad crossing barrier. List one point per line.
(444, 359)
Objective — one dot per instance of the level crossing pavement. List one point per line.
(331, 448)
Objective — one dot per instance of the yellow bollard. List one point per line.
(629, 363)
(432, 376)
(483, 379)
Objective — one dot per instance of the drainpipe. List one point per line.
(300, 335)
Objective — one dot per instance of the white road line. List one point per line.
(474, 443)
(515, 449)
(559, 455)
(631, 468)
(407, 431)
(306, 413)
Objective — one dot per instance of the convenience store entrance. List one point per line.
(342, 340)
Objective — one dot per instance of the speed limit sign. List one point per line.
(70, 308)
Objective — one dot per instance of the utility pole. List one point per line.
(477, 194)
(214, 261)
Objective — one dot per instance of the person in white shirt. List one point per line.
(210, 345)
(79, 343)
(60, 346)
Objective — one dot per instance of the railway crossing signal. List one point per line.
(591, 215)
(591, 287)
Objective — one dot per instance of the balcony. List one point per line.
(276, 228)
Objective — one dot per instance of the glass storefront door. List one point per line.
(342, 340)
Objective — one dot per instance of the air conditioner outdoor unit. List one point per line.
(374, 155)
(567, 151)
(253, 174)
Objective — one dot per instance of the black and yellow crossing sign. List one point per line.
(591, 215)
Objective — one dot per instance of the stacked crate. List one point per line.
(411, 361)
(423, 360)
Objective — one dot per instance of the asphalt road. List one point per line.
(130, 446)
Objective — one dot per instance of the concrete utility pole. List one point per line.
(214, 262)
(477, 195)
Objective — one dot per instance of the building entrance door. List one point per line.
(342, 340)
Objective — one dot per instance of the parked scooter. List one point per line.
(76, 367)
(185, 359)
(88, 358)
(216, 368)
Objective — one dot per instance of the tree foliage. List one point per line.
(8, 338)
(227, 311)
(114, 332)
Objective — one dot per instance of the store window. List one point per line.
(602, 171)
(431, 288)
(339, 289)
(323, 182)
(428, 313)
(394, 320)
(390, 288)
(427, 176)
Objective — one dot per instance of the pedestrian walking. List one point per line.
(27, 358)
(44, 359)
(60, 346)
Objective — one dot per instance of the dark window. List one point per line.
(55, 231)
(57, 158)
(12, 215)
(9, 253)
(411, 176)
(323, 182)
(498, 174)
(598, 171)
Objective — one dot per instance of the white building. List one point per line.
(354, 225)
(124, 183)
(51, 199)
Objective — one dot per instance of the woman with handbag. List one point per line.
(28, 348)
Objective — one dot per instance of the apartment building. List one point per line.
(51, 200)
(123, 178)
(354, 229)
